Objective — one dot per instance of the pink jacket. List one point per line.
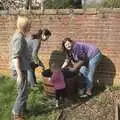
(57, 79)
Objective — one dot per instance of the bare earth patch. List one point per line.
(99, 107)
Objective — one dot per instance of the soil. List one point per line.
(99, 107)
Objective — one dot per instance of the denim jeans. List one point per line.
(88, 73)
(31, 75)
(30, 78)
(22, 96)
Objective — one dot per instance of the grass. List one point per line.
(40, 107)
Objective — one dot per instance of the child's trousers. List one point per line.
(60, 94)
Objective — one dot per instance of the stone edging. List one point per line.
(61, 11)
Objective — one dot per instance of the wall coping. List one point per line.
(87, 11)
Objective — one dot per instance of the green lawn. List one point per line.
(39, 106)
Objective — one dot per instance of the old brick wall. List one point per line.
(99, 27)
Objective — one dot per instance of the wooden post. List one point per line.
(117, 110)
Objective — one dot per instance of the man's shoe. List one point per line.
(86, 95)
(81, 92)
(16, 116)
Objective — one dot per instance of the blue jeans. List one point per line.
(30, 78)
(88, 73)
(22, 96)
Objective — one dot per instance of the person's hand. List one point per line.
(43, 67)
(72, 69)
(63, 68)
(19, 80)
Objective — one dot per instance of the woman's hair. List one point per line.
(37, 35)
(22, 23)
(40, 32)
(55, 66)
(64, 41)
(46, 32)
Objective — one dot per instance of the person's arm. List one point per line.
(78, 64)
(17, 53)
(36, 59)
(65, 64)
(82, 58)
(36, 46)
(19, 72)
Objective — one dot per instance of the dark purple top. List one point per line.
(81, 50)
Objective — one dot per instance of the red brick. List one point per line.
(93, 27)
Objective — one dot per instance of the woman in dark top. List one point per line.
(34, 44)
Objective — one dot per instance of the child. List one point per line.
(57, 79)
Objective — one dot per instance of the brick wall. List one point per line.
(99, 27)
